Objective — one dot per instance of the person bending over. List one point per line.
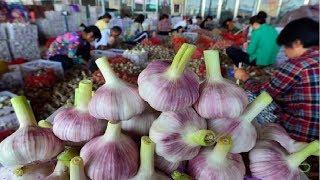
(262, 49)
(73, 47)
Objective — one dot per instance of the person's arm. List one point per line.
(281, 81)
(253, 44)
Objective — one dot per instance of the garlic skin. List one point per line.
(179, 135)
(243, 133)
(115, 100)
(30, 143)
(169, 167)
(110, 156)
(217, 163)
(276, 132)
(219, 97)
(139, 125)
(75, 124)
(79, 127)
(29, 172)
(146, 170)
(269, 161)
(170, 87)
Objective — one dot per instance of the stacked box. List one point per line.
(23, 41)
(51, 28)
(4, 51)
(25, 48)
(21, 31)
(3, 34)
(54, 15)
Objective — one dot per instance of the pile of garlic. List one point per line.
(139, 57)
(182, 124)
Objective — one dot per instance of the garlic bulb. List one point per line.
(140, 124)
(218, 163)
(219, 97)
(179, 135)
(276, 132)
(243, 133)
(29, 143)
(110, 156)
(269, 161)
(176, 175)
(77, 169)
(170, 88)
(61, 171)
(146, 169)
(115, 100)
(169, 167)
(28, 172)
(75, 124)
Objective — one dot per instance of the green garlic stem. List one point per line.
(76, 97)
(23, 111)
(212, 61)
(45, 124)
(67, 155)
(180, 60)
(83, 95)
(202, 137)
(60, 168)
(77, 169)
(221, 150)
(113, 130)
(295, 159)
(258, 105)
(106, 71)
(147, 155)
(176, 175)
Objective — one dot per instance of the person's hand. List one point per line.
(245, 45)
(241, 74)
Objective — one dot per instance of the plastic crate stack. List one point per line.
(23, 41)
(4, 46)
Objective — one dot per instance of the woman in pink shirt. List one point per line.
(164, 25)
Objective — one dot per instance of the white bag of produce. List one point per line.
(8, 119)
(4, 51)
(32, 66)
(11, 79)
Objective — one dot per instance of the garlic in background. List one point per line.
(30, 143)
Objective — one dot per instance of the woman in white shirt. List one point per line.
(137, 34)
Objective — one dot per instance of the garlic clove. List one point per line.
(179, 135)
(170, 88)
(75, 124)
(30, 143)
(139, 125)
(169, 167)
(217, 163)
(111, 156)
(219, 97)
